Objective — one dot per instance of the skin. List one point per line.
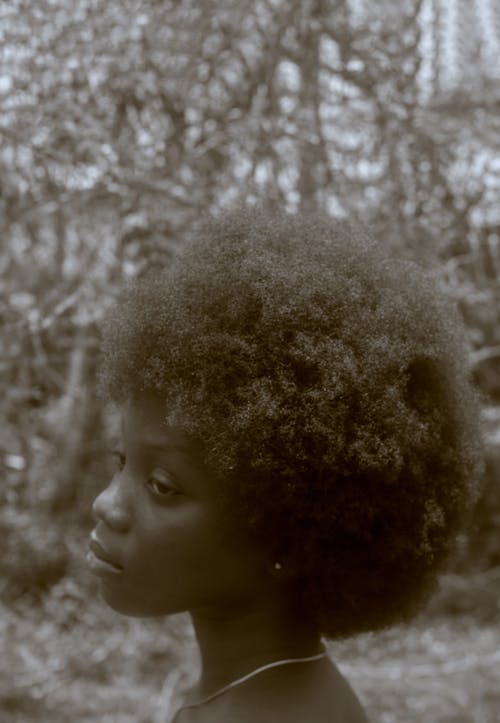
(160, 521)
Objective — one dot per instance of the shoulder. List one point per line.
(339, 702)
(329, 699)
(316, 695)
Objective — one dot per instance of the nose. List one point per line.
(110, 506)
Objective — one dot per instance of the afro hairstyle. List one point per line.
(328, 383)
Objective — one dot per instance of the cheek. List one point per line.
(191, 557)
(191, 566)
(181, 558)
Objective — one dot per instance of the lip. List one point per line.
(99, 559)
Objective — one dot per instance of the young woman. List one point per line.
(299, 445)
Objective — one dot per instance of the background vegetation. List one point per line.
(120, 124)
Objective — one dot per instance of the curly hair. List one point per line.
(327, 381)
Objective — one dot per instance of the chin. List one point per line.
(134, 607)
(121, 603)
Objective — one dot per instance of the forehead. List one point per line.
(145, 428)
(145, 419)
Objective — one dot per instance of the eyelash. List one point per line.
(168, 489)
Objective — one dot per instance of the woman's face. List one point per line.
(159, 523)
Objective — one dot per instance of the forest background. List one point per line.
(122, 123)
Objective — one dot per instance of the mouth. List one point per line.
(99, 561)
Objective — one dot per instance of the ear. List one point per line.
(281, 569)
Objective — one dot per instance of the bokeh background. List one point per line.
(122, 123)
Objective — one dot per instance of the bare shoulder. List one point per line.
(338, 702)
(325, 697)
(302, 694)
(316, 694)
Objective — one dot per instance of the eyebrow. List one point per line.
(164, 445)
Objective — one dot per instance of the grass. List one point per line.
(70, 658)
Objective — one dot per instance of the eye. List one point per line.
(119, 459)
(161, 483)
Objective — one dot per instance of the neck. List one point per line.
(235, 642)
